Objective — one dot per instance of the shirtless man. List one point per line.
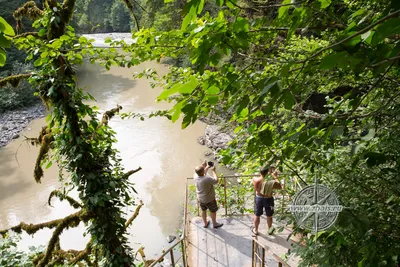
(264, 199)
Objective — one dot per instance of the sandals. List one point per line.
(208, 223)
(218, 225)
(253, 230)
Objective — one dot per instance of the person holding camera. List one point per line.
(264, 199)
(205, 192)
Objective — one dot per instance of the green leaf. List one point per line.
(267, 84)
(212, 100)
(283, 9)
(192, 6)
(353, 41)
(181, 88)
(367, 36)
(244, 113)
(177, 109)
(331, 60)
(42, 32)
(4, 42)
(37, 62)
(188, 87)
(325, 3)
(6, 28)
(49, 164)
(266, 137)
(168, 1)
(2, 58)
(385, 30)
(200, 6)
(213, 90)
(220, 2)
(288, 99)
(241, 25)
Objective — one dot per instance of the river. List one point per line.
(166, 153)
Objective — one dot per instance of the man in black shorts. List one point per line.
(264, 199)
(206, 194)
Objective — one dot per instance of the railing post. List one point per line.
(172, 257)
(283, 193)
(183, 252)
(185, 222)
(263, 257)
(252, 253)
(225, 203)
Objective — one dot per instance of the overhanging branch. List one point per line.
(133, 217)
(14, 80)
(61, 196)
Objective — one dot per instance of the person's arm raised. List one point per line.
(214, 173)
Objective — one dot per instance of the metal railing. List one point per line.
(258, 255)
(283, 201)
(258, 250)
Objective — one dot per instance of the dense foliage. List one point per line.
(76, 139)
(311, 85)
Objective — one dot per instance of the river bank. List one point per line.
(14, 121)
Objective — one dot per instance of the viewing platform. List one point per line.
(232, 244)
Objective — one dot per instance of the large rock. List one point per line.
(215, 138)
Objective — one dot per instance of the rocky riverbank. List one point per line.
(13, 122)
(216, 138)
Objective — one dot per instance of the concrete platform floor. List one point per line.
(231, 245)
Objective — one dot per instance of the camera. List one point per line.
(210, 164)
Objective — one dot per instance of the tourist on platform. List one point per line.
(206, 193)
(263, 187)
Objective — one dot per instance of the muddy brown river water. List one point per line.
(166, 153)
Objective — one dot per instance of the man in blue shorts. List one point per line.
(264, 199)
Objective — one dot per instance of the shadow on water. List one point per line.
(104, 86)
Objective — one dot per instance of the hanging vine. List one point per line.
(78, 140)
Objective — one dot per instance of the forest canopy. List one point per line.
(310, 85)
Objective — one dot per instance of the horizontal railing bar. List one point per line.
(239, 175)
(165, 253)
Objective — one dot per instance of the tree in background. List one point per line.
(120, 19)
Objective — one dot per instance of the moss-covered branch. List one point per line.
(29, 10)
(26, 34)
(134, 215)
(45, 139)
(82, 255)
(33, 228)
(61, 196)
(129, 173)
(14, 80)
(108, 115)
(72, 220)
